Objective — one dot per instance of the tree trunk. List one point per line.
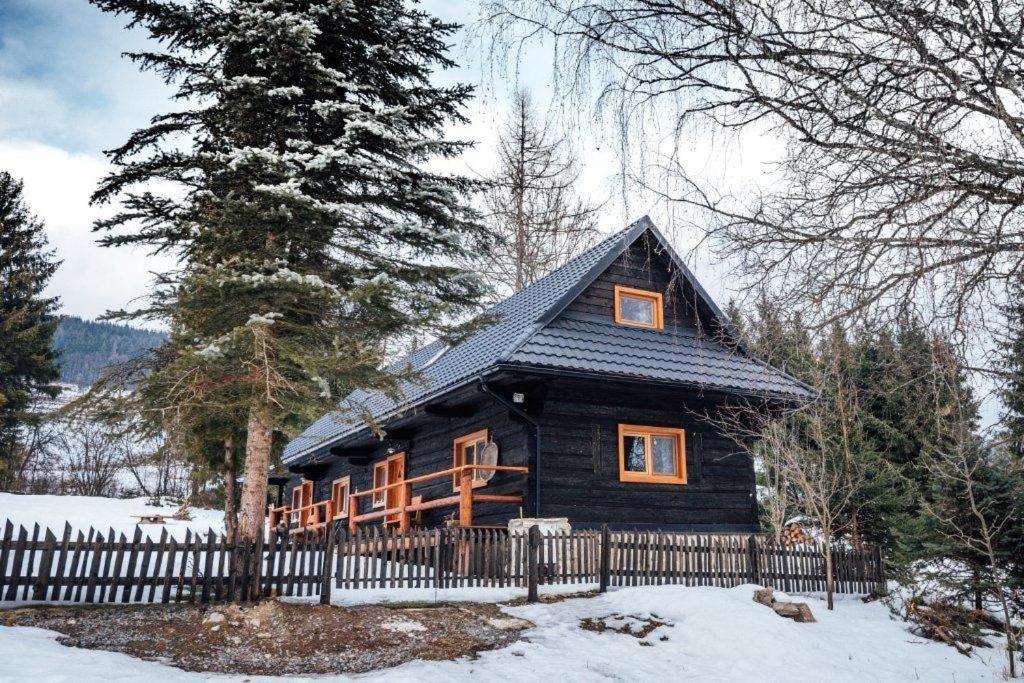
(257, 468)
(230, 503)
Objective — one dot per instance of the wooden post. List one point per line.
(325, 582)
(533, 540)
(353, 510)
(752, 555)
(466, 498)
(606, 547)
(404, 498)
(883, 589)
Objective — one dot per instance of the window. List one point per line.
(385, 472)
(380, 479)
(638, 308)
(468, 450)
(302, 496)
(340, 489)
(653, 455)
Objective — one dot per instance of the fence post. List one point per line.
(325, 579)
(533, 539)
(606, 548)
(883, 589)
(752, 557)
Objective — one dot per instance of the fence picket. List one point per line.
(58, 579)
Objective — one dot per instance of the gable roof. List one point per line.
(528, 332)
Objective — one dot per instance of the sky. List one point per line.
(67, 94)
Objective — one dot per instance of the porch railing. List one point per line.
(311, 517)
(405, 506)
(315, 516)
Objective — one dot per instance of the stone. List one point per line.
(765, 596)
(797, 611)
(213, 618)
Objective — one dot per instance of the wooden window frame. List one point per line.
(380, 497)
(648, 477)
(458, 455)
(654, 297)
(305, 490)
(383, 464)
(341, 507)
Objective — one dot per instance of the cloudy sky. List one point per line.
(67, 94)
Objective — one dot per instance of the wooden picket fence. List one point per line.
(101, 568)
(458, 558)
(640, 558)
(97, 567)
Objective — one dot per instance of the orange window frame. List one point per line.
(380, 478)
(656, 300)
(340, 490)
(648, 434)
(459, 456)
(302, 495)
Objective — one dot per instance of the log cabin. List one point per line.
(590, 396)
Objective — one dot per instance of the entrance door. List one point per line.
(396, 474)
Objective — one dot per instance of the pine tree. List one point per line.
(532, 203)
(309, 227)
(28, 364)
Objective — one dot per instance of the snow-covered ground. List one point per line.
(714, 635)
(100, 513)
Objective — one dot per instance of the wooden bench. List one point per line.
(151, 519)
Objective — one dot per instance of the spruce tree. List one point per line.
(28, 364)
(309, 226)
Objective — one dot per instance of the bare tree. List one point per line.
(775, 499)
(37, 446)
(903, 123)
(94, 457)
(532, 203)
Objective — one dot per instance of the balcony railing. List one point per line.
(403, 509)
(400, 511)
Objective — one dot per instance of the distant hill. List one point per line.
(87, 347)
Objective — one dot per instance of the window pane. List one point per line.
(636, 310)
(664, 455)
(478, 451)
(634, 449)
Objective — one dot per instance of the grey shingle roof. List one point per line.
(582, 344)
(527, 332)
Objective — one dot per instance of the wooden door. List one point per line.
(396, 474)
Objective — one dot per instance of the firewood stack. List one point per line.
(794, 534)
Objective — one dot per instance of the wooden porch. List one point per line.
(401, 507)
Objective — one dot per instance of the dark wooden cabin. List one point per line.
(592, 387)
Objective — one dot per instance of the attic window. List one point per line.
(639, 308)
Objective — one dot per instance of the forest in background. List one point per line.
(86, 347)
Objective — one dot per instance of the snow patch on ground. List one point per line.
(403, 626)
(102, 514)
(710, 634)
